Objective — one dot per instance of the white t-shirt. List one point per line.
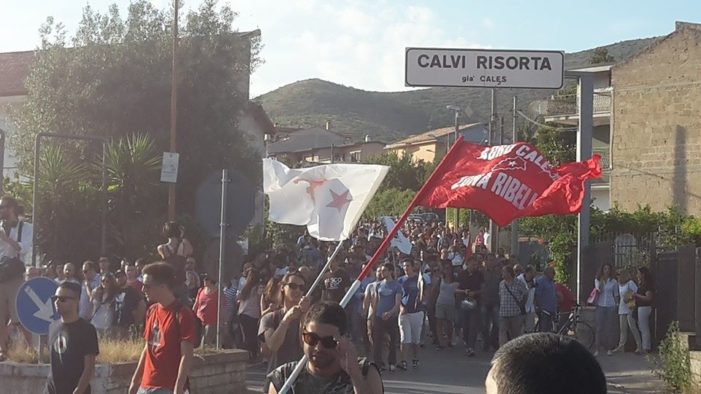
(25, 254)
(530, 302)
(628, 287)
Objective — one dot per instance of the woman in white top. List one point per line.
(626, 307)
(606, 308)
(102, 299)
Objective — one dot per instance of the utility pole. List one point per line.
(457, 127)
(455, 109)
(493, 229)
(173, 108)
(514, 224)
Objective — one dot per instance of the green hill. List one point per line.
(388, 116)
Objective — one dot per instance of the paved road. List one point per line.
(450, 371)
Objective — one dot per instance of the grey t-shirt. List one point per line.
(291, 348)
(446, 293)
(307, 383)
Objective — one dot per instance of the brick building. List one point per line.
(656, 122)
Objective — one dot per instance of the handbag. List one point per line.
(591, 300)
(520, 304)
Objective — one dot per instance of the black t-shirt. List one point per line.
(335, 286)
(125, 302)
(469, 281)
(642, 290)
(70, 343)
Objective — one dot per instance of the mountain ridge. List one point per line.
(388, 116)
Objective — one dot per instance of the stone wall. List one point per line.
(223, 372)
(656, 147)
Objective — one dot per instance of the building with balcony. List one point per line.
(563, 110)
(434, 144)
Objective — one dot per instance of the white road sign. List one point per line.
(169, 167)
(429, 67)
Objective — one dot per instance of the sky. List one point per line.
(361, 43)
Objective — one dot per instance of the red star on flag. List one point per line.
(339, 201)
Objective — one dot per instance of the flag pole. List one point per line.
(368, 267)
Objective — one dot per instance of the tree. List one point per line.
(133, 169)
(601, 55)
(388, 202)
(112, 79)
(404, 174)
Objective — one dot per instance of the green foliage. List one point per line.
(388, 202)
(112, 79)
(20, 190)
(557, 145)
(560, 232)
(69, 206)
(257, 242)
(403, 173)
(601, 55)
(674, 363)
(136, 200)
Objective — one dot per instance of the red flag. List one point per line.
(506, 182)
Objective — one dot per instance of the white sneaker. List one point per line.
(596, 353)
(609, 353)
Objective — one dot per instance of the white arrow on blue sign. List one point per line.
(34, 307)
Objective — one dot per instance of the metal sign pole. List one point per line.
(222, 249)
(584, 151)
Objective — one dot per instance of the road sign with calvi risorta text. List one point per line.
(432, 67)
(34, 307)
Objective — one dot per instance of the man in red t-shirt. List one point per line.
(170, 336)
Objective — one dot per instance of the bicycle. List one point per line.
(574, 327)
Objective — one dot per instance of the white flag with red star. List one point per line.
(328, 199)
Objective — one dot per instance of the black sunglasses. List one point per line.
(312, 339)
(61, 298)
(295, 286)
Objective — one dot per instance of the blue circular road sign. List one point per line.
(34, 307)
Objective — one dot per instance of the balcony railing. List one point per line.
(567, 105)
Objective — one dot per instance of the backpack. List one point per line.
(197, 322)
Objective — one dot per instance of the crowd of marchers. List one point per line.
(450, 292)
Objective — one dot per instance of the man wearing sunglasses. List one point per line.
(73, 344)
(333, 365)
